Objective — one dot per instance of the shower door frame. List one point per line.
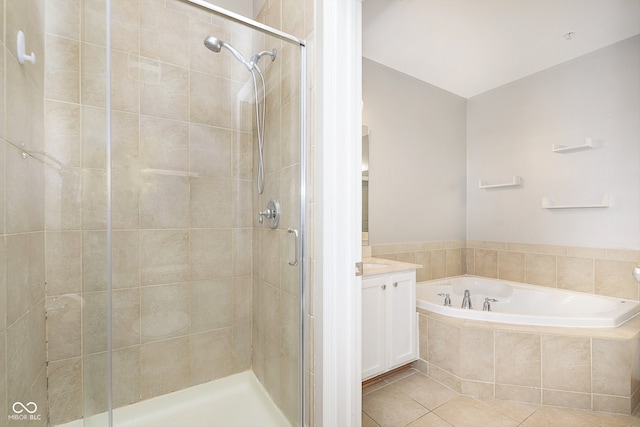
(302, 361)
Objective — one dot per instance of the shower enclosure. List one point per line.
(134, 259)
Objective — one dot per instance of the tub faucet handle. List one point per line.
(487, 304)
(447, 299)
(466, 300)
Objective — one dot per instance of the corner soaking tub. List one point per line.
(523, 304)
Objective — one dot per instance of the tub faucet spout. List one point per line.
(466, 301)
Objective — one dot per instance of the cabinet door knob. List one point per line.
(395, 284)
(384, 287)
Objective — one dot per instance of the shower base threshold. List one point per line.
(235, 401)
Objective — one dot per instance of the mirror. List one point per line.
(365, 185)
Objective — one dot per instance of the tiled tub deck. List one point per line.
(592, 369)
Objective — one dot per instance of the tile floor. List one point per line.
(412, 399)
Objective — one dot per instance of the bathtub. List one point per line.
(519, 303)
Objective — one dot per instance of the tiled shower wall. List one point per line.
(601, 271)
(182, 214)
(22, 237)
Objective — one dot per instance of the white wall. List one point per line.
(417, 175)
(511, 130)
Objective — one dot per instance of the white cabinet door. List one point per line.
(401, 319)
(373, 325)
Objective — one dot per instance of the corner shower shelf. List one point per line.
(516, 181)
(547, 203)
(566, 149)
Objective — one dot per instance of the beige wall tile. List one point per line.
(210, 254)
(486, 263)
(211, 355)
(94, 199)
(511, 266)
(614, 404)
(242, 300)
(614, 278)
(3, 370)
(126, 375)
(164, 366)
(26, 352)
(611, 367)
(167, 46)
(3, 288)
(63, 18)
(126, 317)
(164, 201)
(25, 273)
(550, 249)
(213, 100)
(518, 393)
(469, 261)
(566, 399)
(211, 202)
(125, 25)
(478, 389)
(453, 261)
(210, 151)
(576, 274)
(167, 94)
(64, 390)
(63, 326)
(164, 312)
(164, 144)
(438, 264)
(94, 261)
(63, 201)
(444, 346)
(540, 269)
(63, 68)
(24, 192)
(63, 259)
(566, 364)
(423, 337)
(164, 256)
(477, 364)
(211, 304)
(423, 258)
(93, 74)
(518, 359)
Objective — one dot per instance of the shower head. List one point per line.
(214, 44)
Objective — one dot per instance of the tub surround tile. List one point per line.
(486, 263)
(566, 399)
(576, 274)
(511, 266)
(518, 356)
(613, 278)
(540, 269)
(519, 394)
(611, 367)
(571, 371)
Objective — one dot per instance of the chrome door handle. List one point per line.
(297, 250)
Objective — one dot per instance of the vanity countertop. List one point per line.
(373, 266)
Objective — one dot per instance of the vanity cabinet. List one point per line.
(389, 322)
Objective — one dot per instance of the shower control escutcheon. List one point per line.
(271, 214)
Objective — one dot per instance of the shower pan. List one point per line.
(150, 283)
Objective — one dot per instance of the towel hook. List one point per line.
(21, 51)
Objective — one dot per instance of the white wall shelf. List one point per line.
(588, 143)
(547, 203)
(515, 182)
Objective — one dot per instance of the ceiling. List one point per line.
(470, 46)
